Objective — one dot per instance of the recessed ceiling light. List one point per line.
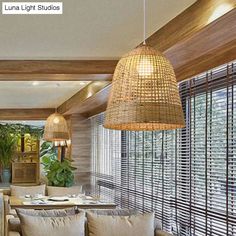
(35, 83)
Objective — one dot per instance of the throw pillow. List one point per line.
(134, 225)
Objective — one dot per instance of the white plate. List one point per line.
(58, 199)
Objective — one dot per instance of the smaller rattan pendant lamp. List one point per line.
(144, 94)
(56, 128)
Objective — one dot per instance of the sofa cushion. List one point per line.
(134, 225)
(63, 191)
(20, 191)
(14, 223)
(116, 212)
(54, 226)
(47, 213)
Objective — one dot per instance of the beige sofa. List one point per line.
(12, 222)
(14, 227)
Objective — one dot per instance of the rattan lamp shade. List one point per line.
(144, 94)
(56, 128)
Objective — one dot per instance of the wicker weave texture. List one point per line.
(56, 128)
(144, 93)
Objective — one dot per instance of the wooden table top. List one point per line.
(17, 202)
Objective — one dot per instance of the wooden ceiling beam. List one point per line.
(51, 70)
(25, 114)
(96, 103)
(212, 59)
(188, 23)
(78, 102)
(44, 67)
(55, 77)
(213, 46)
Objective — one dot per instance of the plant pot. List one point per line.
(6, 175)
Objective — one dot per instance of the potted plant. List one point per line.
(7, 151)
(60, 174)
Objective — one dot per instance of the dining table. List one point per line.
(47, 203)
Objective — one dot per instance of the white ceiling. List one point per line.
(39, 95)
(87, 29)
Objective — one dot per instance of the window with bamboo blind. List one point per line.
(188, 176)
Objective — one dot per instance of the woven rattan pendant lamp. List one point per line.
(56, 128)
(144, 94)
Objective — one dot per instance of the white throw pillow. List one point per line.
(134, 225)
(54, 226)
(20, 191)
(47, 213)
(63, 191)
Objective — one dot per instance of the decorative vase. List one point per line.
(6, 175)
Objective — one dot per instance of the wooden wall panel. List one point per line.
(80, 148)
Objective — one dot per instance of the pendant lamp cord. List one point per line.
(144, 22)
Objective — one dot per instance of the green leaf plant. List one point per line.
(7, 149)
(60, 174)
